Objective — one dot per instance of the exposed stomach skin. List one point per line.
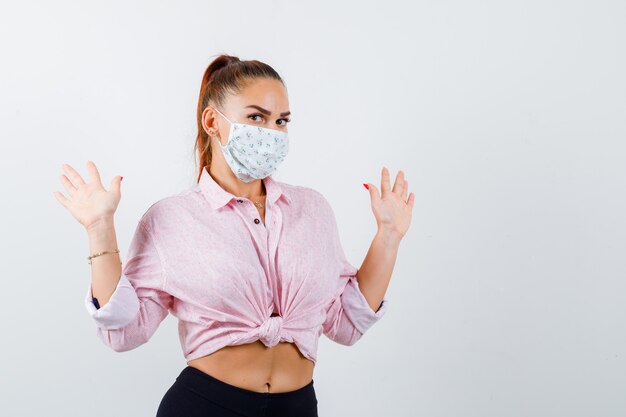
(256, 367)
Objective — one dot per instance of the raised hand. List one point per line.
(393, 210)
(89, 202)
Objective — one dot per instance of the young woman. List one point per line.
(252, 267)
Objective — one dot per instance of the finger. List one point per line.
(411, 200)
(94, 175)
(74, 176)
(69, 187)
(385, 187)
(62, 199)
(405, 190)
(374, 194)
(398, 185)
(115, 184)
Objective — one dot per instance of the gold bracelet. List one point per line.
(101, 253)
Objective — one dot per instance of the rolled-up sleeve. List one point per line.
(122, 307)
(139, 303)
(349, 315)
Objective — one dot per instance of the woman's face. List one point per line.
(262, 103)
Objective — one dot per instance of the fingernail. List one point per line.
(366, 186)
(121, 178)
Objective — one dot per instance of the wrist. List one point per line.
(103, 223)
(102, 236)
(101, 232)
(391, 239)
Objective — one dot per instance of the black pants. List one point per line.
(198, 394)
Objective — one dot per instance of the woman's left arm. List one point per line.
(393, 211)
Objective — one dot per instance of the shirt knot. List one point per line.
(269, 331)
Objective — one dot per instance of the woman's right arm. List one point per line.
(130, 300)
(134, 304)
(105, 269)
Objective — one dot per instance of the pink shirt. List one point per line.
(205, 256)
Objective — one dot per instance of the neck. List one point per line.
(254, 190)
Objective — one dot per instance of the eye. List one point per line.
(285, 120)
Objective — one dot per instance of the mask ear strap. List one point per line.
(223, 115)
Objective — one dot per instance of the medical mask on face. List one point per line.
(254, 152)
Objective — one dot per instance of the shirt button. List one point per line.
(239, 200)
(257, 221)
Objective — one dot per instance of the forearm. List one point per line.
(105, 269)
(375, 271)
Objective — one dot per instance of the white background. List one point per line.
(507, 117)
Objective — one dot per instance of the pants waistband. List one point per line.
(240, 399)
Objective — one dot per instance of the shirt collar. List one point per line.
(219, 197)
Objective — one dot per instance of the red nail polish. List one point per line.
(121, 178)
(366, 186)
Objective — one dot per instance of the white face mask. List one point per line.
(254, 152)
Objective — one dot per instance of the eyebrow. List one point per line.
(267, 112)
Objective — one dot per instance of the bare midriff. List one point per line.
(256, 367)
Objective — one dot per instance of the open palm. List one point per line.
(88, 202)
(391, 207)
